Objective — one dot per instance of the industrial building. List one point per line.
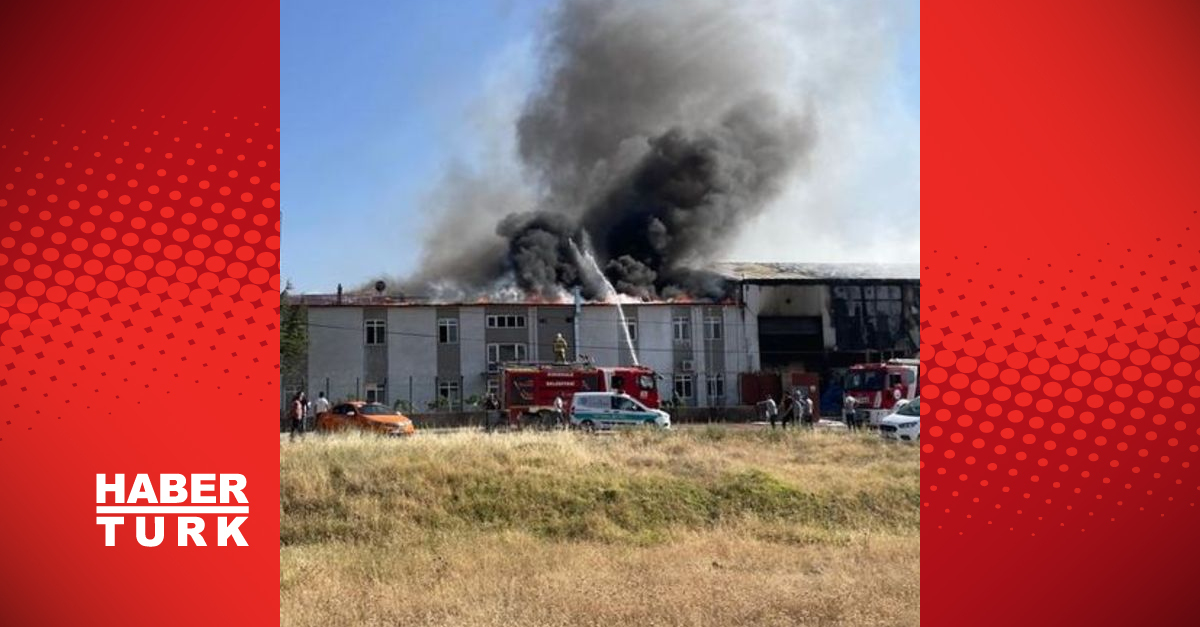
(782, 318)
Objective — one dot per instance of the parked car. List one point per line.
(605, 410)
(363, 416)
(904, 423)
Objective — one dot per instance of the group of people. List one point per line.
(300, 410)
(798, 407)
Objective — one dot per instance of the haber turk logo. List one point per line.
(191, 500)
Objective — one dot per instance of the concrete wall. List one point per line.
(413, 359)
(472, 350)
(793, 301)
(552, 320)
(412, 354)
(655, 348)
(600, 335)
(335, 350)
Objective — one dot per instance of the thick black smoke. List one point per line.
(654, 135)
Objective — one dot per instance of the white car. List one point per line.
(603, 410)
(904, 423)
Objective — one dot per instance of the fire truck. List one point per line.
(878, 387)
(527, 391)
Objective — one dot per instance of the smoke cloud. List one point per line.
(656, 131)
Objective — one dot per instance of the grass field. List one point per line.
(696, 527)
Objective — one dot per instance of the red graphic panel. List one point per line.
(139, 256)
(1060, 337)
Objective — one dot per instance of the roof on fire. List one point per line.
(753, 272)
(748, 272)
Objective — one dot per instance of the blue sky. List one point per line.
(374, 98)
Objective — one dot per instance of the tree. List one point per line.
(293, 337)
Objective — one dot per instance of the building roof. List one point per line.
(748, 272)
(757, 272)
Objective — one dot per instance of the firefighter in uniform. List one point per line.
(560, 349)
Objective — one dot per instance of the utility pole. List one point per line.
(578, 311)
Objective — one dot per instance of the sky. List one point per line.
(381, 98)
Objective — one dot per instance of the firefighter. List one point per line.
(772, 410)
(560, 349)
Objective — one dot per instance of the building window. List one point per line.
(682, 326)
(448, 331)
(448, 394)
(683, 387)
(508, 321)
(505, 353)
(493, 386)
(376, 332)
(376, 393)
(631, 326)
(712, 328)
(716, 389)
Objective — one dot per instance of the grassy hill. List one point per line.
(694, 527)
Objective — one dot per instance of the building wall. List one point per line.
(472, 350)
(413, 355)
(335, 351)
(551, 321)
(600, 336)
(655, 346)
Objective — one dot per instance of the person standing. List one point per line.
(559, 420)
(806, 406)
(789, 410)
(296, 412)
(321, 406)
(491, 407)
(848, 413)
(772, 410)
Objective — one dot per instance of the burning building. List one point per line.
(778, 318)
(653, 134)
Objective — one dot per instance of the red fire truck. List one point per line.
(527, 391)
(876, 388)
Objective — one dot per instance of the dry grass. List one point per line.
(704, 527)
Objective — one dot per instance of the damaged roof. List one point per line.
(754, 272)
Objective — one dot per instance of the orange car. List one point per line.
(370, 417)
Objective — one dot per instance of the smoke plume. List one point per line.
(656, 131)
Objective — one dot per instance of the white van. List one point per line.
(604, 410)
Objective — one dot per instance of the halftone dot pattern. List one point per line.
(121, 260)
(1060, 402)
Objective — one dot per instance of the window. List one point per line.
(448, 394)
(448, 331)
(508, 321)
(716, 388)
(503, 353)
(631, 327)
(683, 387)
(894, 380)
(621, 403)
(493, 386)
(376, 332)
(682, 328)
(376, 393)
(712, 328)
